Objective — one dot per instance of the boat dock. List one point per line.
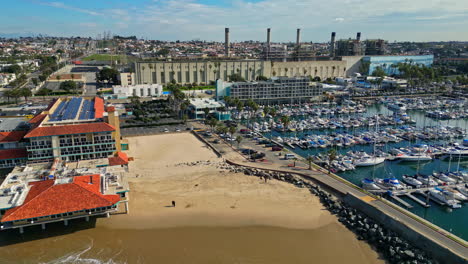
(416, 199)
(398, 199)
(420, 191)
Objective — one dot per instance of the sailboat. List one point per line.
(373, 159)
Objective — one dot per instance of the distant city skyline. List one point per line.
(400, 20)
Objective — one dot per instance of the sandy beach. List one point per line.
(219, 217)
(205, 196)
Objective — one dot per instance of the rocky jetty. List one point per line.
(389, 244)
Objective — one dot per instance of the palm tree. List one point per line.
(212, 122)
(331, 158)
(207, 112)
(232, 130)
(238, 140)
(285, 120)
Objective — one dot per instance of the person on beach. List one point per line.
(173, 203)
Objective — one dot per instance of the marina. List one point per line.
(426, 146)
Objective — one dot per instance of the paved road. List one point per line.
(275, 162)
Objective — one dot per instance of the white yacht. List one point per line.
(400, 107)
(457, 151)
(439, 195)
(444, 177)
(454, 194)
(426, 180)
(369, 161)
(411, 181)
(390, 183)
(414, 157)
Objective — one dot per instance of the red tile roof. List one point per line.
(70, 129)
(37, 119)
(12, 136)
(46, 198)
(120, 159)
(98, 107)
(13, 154)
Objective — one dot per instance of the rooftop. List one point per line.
(76, 109)
(120, 159)
(13, 123)
(45, 131)
(205, 103)
(12, 136)
(25, 182)
(49, 198)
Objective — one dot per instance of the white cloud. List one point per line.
(188, 19)
(64, 6)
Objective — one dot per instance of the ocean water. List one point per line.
(453, 220)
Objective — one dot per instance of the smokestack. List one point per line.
(268, 42)
(298, 37)
(226, 42)
(358, 36)
(268, 36)
(332, 44)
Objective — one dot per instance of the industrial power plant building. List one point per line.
(275, 90)
(345, 59)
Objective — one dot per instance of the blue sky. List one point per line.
(414, 20)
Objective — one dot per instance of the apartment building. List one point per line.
(141, 90)
(275, 90)
(74, 129)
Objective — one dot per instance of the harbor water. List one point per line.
(453, 220)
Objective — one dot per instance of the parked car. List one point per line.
(248, 151)
(259, 155)
(289, 156)
(276, 148)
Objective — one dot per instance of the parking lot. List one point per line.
(142, 131)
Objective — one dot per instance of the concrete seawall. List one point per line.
(417, 239)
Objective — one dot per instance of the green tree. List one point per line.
(43, 92)
(285, 120)
(236, 78)
(207, 112)
(261, 78)
(108, 75)
(15, 68)
(25, 92)
(68, 86)
(212, 122)
(34, 81)
(8, 94)
(331, 157)
(238, 140)
(378, 72)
